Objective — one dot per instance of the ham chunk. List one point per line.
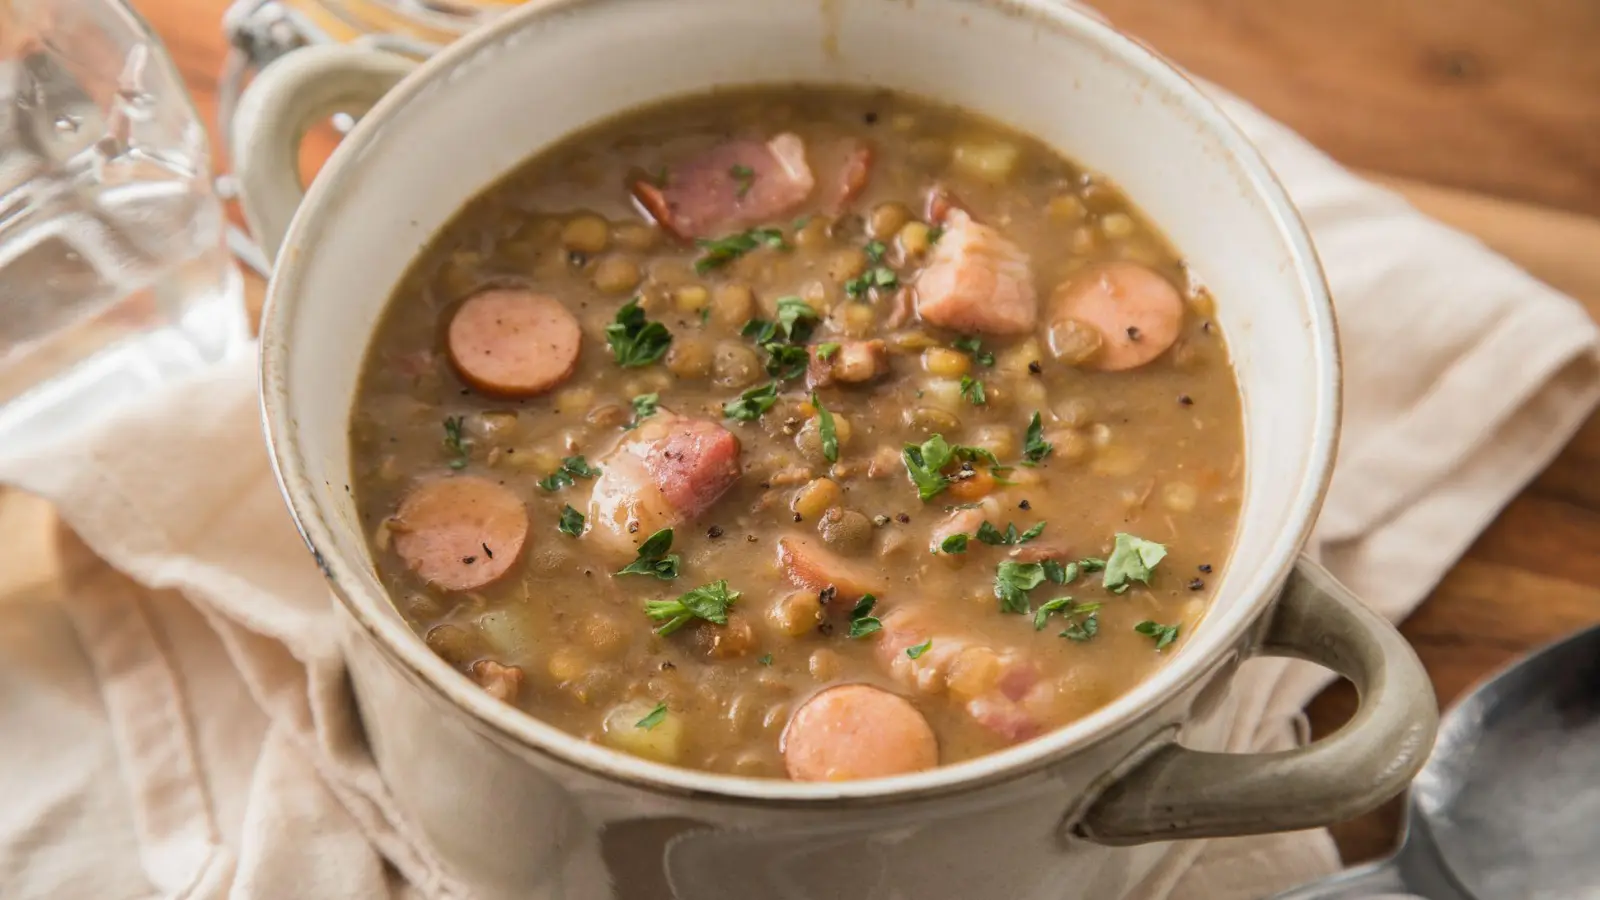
(668, 471)
(852, 362)
(977, 281)
(730, 187)
(847, 166)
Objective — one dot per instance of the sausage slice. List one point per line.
(1136, 313)
(460, 533)
(512, 342)
(809, 565)
(857, 731)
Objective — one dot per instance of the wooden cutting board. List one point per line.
(1485, 114)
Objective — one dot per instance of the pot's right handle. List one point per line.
(294, 92)
(1181, 793)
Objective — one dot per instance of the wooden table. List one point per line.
(1485, 113)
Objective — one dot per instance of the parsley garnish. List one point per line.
(644, 406)
(875, 250)
(800, 223)
(1013, 581)
(1068, 608)
(924, 462)
(972, 391)
(955, 543)
(974, 348)
(766, 659)
(862, 621)
(995, 538)
(453, 442)
(718, 252)
(634, 340)
(825, 427)
(795, 321)
(572, 467)
(653, 718)
(752, 403)
(709, 602)
(826, 351)
(1163, 634)
(571, 521)
(1082, 630)
(877, 276)
(653, 558)
(1034, 447)
(935, 233)
(786, 361)
(1132, 559)
(745, 176)
(917, 651)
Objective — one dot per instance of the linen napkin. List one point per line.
(178, 725)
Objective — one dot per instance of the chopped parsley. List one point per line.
(875, 250)
(779, 337)
(1034, 447)
(827, 430)
(454, 443)
(974, 348)
(955, 543)
(752, 404)
(708, 602)
(917, 651)
(744, 175)
(935, 233)
(766, 659)
(877, 276)
(572, 467)
(654, 559)
(1091, 564)
(1132, 559)
(1081, 630)
(636, 341)
(1066, 606)
(994, 537)
(571, 521)
(862, 621)
(786, 361)
(925, 461)
(972, 391)
(827, 351)
(1163, 635)
(1013, 581)
(718, 252)
(644, 406)
(653, 718)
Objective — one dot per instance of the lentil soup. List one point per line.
(800, 433)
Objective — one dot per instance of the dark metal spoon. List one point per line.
(1508, 805)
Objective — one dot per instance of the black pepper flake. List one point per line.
(714, 532)
(633, 527)
(667, 666)
(1197, 585)
(1034, 368)
(1185, 400)
(798, 517)
(826, 595)
(469, 560)
(765, 485)
(902, 518)
(1024, 504)
(1205, 567)
(1133, 333)
(871, 118)
(751, 538)
(880, 520)
(487, 552)
(588, 573)
(576, 259)
(1206, 326)
(825, 629)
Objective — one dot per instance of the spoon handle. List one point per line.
(1379, 880)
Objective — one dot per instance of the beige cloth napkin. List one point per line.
(179, 726)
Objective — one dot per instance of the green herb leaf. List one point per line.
(826, 351)
(745, 176)
(875, 250)
(800, 223)
(973, 347)
(1082, 630)
(923, 462)
(572, 467)
(955, 543)
(1068, 608)
(917, 651)
(995, 538)
(654, 559)
(1034, 447)
(766, 659)
(1054, 571)
(718, 252)
(786, 361)
(752, 404)
(644, 406)
(1091, 564)
(1132, 559)
(825, 427)
(1162, 634)
(862, 621)
(935, 233)
(972, 391)
(1013, 581)
(653, 718)
(634, 340)
(709, 602)
(877, 276)
(454, 443)
(571, 521)
(796, 318)
(863, 606)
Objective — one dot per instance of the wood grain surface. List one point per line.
(1485, 113)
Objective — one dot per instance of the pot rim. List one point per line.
(507, 724)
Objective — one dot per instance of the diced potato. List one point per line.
(662, 741)
(566, 664)
(989, 160)
(846, 264)
(854, 319)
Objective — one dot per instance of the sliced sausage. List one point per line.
(460, 533)
(977, 281)
(1136, 313)
(857, 731)
(810, 565)
(731, 186)
(852, 362)
(512, 342)
(667, 471)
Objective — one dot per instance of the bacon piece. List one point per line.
(853, 362)
(668, 471)
(977, 281)
(731, 186)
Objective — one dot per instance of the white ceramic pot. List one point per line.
(519, 809)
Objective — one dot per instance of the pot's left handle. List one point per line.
(288, 97)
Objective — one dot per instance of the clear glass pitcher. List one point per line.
(114, 270)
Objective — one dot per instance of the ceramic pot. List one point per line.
(519, 809)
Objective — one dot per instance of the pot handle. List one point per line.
(1178, 793)
(294, 92)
